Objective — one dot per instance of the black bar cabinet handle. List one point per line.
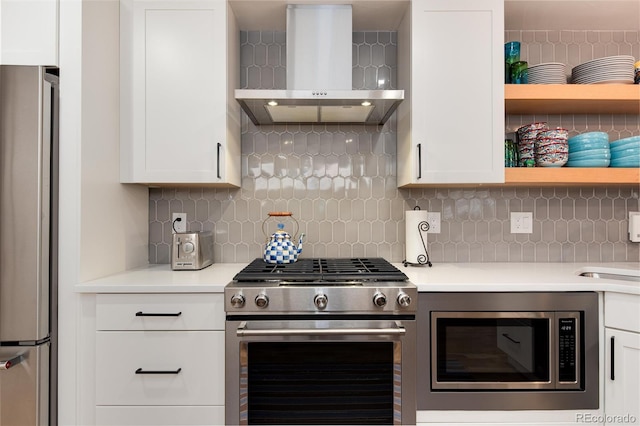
(419, 161)
(141, 371)
(613, 350)
(509, 337)
(218, 158)
(151, 314)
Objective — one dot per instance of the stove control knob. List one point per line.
(237, 301)
(262, 301)
(320, 301)
(404, 299)
(379, 299)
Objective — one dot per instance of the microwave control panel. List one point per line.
(567, 336)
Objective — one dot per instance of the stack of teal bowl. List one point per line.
(589, 149)
(625, 152)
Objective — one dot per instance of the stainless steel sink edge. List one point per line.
(610, 274)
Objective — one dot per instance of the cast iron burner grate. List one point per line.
(330, 269)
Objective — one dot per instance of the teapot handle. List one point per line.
(280, 214)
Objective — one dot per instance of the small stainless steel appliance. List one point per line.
(508, 351)
(191, 250)
(322, 341)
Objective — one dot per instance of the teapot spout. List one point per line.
(299, 248)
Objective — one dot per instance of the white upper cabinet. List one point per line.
(451, 66)
(29, 32)
(179, 66)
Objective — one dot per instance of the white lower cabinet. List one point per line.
(622, 358)
(159, 359)
(159, 416)
(159, 368)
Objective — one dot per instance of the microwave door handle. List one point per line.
(243, 331)
(506, 336)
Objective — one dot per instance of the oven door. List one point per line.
(320, 371)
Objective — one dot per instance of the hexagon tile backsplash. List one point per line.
(339, 181)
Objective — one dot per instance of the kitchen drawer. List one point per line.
(621, 311)
(159, 416)
(168, 311)
(198, 354)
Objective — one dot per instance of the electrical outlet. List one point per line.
(634, 227)
(434, 222)
(178, 223)
(521, 222)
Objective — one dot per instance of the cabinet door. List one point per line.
(174, 55)
(29, 32)
(160, 368)
(457, 91)
(116, 415)
(621, 390)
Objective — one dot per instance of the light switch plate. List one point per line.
(521, 222)
(434, 222)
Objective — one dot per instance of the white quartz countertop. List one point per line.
(454, 277)
(470, 277)
(161, 279)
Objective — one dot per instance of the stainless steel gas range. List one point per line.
(321, 341)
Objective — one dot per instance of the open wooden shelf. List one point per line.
(570, 176)
(572, 98)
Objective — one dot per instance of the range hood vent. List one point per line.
(319, 70)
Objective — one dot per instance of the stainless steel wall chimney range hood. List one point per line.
(319, 67)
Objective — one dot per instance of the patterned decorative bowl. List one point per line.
(554, 159)
(531, 130)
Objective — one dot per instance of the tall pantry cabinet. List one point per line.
(180, 123)
(451, 123)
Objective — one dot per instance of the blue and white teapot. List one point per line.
(280, 248)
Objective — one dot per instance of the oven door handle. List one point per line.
(399, 330)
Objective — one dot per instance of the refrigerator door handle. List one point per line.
(12, 362)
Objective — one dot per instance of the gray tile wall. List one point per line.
(339, 181)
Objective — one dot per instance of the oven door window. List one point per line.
(477, 350)
(320, 382)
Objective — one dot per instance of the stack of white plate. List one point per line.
(548, 73)
(611, 69)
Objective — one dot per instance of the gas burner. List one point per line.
(328, 269)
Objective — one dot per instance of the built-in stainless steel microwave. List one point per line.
(519, 351)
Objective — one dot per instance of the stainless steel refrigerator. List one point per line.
(28, 244)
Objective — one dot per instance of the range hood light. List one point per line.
(272, 103)
(365, 103)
